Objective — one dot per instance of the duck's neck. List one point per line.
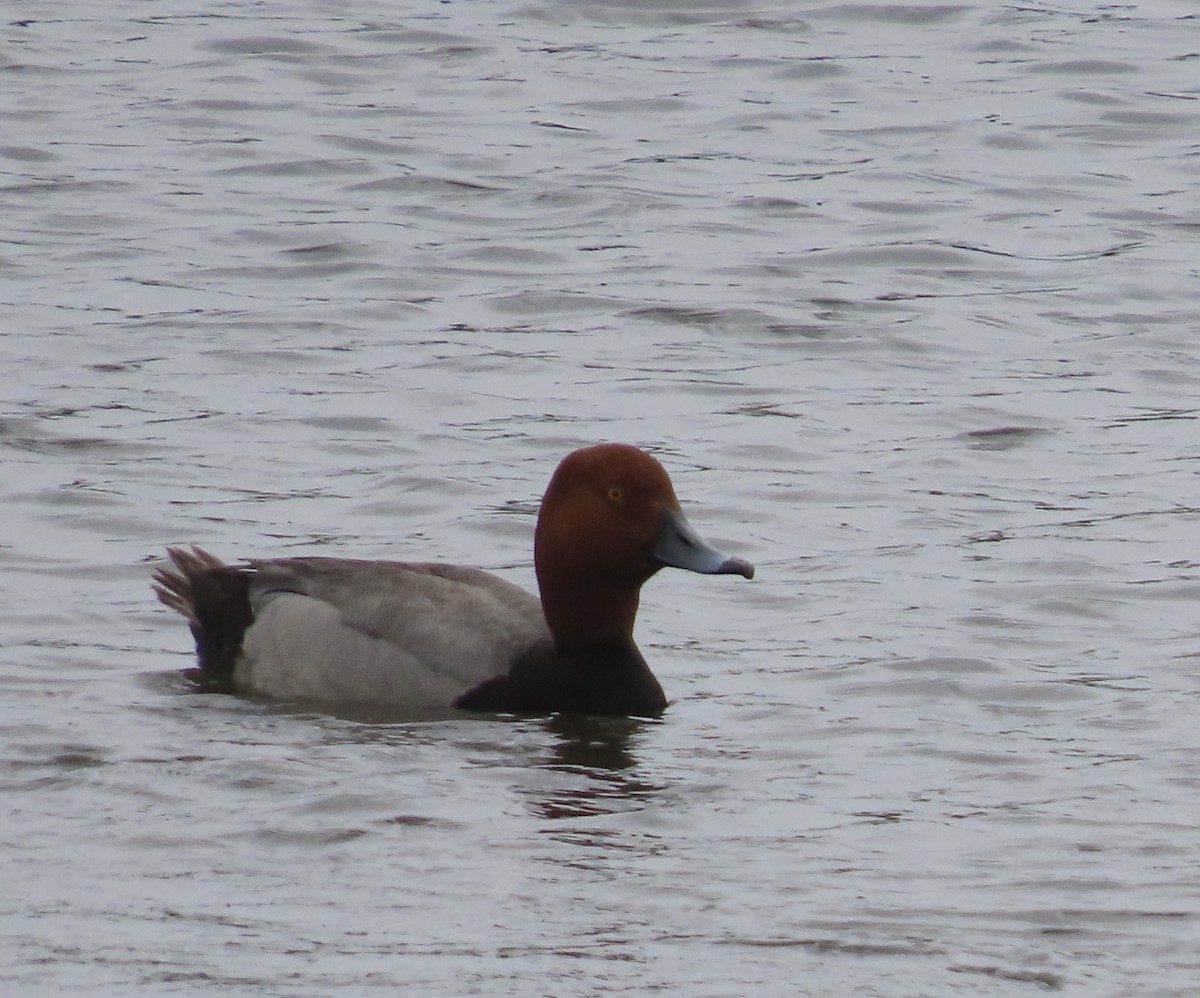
(588, 616)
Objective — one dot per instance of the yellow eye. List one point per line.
(615, 494)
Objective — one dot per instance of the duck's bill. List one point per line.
(679, 546)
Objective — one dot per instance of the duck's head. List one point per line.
(608, 522)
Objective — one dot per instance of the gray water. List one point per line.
(907, 299)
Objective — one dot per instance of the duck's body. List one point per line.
(418, 637)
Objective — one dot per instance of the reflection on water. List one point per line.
(596, 759)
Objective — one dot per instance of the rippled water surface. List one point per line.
(907, 299)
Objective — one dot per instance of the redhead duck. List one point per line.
(416, 636)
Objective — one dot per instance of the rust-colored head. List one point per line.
(609, 521)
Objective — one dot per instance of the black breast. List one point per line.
(598, 681)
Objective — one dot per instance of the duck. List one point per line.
(415, 637)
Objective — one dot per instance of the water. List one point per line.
(904, 296)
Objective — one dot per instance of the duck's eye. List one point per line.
(615, 494)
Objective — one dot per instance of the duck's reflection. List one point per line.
(594, 768)
(595, 742)
(566, 765)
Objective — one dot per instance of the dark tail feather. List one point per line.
(214, 598)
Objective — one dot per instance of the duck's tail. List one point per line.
(214, 598)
